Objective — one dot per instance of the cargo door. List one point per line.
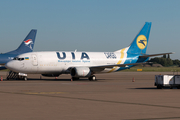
(34, 60)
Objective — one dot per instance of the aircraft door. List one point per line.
(34, 60)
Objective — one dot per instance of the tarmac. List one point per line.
(115, 96)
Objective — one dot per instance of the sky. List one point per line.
(90, 25)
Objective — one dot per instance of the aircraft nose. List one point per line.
(9, 65)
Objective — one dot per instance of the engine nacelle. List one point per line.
(50, 75)
(80, 72)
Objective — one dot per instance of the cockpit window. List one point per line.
(15, 58)
(20, 59)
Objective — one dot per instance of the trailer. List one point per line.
(171, 81)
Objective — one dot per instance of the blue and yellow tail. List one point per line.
(140, 43)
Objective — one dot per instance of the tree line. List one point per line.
(165, 61)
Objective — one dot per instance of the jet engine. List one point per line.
(80, 72)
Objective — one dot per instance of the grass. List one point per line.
(154, 69)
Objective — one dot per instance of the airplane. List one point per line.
(84, 64)
(26, 46)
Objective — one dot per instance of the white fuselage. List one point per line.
(60, 62)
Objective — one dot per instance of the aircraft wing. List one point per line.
(126, 65)
(117, 65)
(152, 55)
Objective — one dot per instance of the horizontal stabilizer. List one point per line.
(152, 55)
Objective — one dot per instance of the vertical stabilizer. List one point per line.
(140, 43)
(27, 45)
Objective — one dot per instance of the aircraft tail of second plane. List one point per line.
(27, 44)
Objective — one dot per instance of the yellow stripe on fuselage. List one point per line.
(119, 62)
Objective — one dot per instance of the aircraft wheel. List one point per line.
(92, 78)
(25, 78)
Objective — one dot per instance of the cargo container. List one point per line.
(171, 81)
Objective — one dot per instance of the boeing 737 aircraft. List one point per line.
(26, 46)
(84, 64)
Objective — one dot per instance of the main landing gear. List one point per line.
(91, 78)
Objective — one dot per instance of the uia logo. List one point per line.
(141, 41)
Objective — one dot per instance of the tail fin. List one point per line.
(140, 43)
(27, 45)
